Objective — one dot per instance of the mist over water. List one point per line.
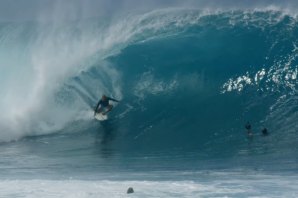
(57, 10)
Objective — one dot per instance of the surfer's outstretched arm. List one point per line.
(113, 99)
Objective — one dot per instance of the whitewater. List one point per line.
(188, 80)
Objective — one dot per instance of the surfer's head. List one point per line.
(265, 131)
(104, 97)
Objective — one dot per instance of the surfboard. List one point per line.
(100, 117)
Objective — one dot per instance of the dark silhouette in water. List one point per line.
(130, 190)
(248, 128)
(249, 131)
(265, 132)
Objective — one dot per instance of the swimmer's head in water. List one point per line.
(248, 126)
(265, 131)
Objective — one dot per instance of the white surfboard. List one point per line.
(100, 117)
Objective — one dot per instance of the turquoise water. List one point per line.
(188, 81)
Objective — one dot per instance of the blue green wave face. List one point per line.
(196, 85)
(187, 79)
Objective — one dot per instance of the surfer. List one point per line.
(265, 132)
(104, 104)
(248, 128)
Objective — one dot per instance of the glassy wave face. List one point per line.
(187, 80)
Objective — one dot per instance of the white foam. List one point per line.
(282, 74)
(215, 185)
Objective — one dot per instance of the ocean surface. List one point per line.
(188, 81)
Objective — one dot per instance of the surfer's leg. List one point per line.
(99, 110)
(109, 108)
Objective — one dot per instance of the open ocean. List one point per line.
(188, 81)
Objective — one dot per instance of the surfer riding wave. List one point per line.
(103, 104)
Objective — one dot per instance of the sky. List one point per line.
(23, 10)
